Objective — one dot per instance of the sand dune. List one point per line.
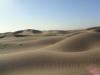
(27, 44)
(80, 42)
(66, 54)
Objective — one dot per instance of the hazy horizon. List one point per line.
(48, 14)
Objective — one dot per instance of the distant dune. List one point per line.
(53, 52)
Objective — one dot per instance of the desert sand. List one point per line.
(55, 52)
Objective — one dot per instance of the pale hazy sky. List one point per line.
(48, 14)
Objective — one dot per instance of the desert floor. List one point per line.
(33, 52)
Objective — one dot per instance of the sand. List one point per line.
(43, 53)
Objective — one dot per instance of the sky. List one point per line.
(48, 14)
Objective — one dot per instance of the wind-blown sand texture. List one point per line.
(33, 52)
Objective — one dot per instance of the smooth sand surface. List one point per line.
(66, 53)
